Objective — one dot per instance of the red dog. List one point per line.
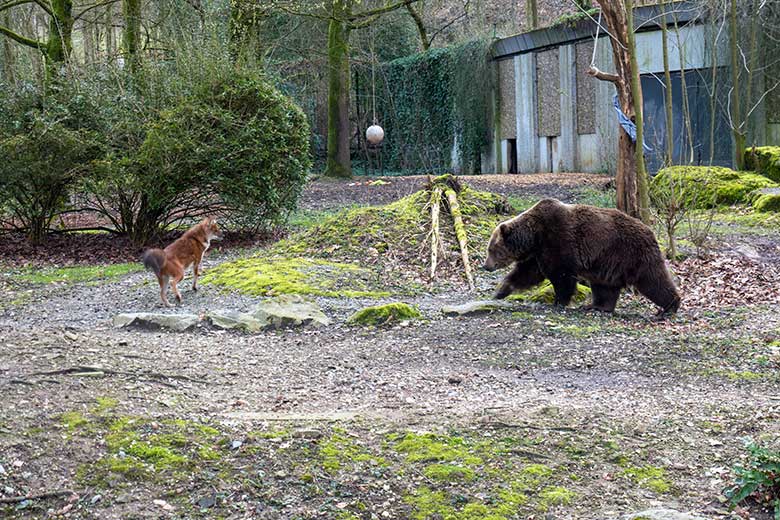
(169, 263)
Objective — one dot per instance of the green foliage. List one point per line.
(236, 145)
(41, 160)
(764, 160)
(710, 186)
(426, 101)
(385, 314)
(759, 478)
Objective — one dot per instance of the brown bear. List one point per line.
(569, 242)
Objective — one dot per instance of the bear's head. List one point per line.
(512, 240)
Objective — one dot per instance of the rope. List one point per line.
(373, 75)
(596, 41)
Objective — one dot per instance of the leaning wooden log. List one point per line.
(460, 233)
(435, 236)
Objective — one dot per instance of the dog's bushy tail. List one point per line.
(154, 259)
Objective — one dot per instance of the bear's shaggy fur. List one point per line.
(565, 243)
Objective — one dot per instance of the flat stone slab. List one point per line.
(662, 514)
(769, 191)
(150, 320)
(476, 307)
(273, 313)
(289, 311)
(234, 320)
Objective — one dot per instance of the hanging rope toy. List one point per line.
(375, 134)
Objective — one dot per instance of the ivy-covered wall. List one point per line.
(427, 101)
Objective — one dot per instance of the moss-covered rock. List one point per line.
(764, 160)
(708, 186)
(767, 200)
(384, 314)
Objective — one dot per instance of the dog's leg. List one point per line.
(163, 280)
(178, 276)
(197, 268)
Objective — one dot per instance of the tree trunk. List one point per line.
(110, 43)
(531, 14)
(131, 10)
(338, 163)
(669, 155)
(59, 46)
(736, 109)
(643, 194)
(631, 197)
(425, 42)
(9, 56)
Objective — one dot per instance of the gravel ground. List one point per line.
(588, 395)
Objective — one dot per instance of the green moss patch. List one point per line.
(384, 314)
(430, 447)
(649, 477)
(339, 450)
(545, 293)
(764, 160)
(139, 449)
(448, 472)
(270, 276)
(76, 274)
(709, 186)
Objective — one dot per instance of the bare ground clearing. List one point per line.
(528, 413)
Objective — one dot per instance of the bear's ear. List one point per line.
(503, 230)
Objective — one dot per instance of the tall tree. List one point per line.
(344, 17)
(131, 10)
(58, 46)
(631, 180)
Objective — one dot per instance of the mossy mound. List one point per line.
(397, 231)
(764, 160)
(545, 293)
(705, 187)
(369, 251)
(384, 314)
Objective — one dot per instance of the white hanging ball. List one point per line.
(375, 134)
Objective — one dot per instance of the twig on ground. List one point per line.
(39, 496)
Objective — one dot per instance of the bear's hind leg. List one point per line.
(661, 291)
(564, 289)
(523, 275)
(604, 298)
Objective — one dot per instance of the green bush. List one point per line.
(758, 478)
(39, 166)
(764, 160)
(709, 186)
(236, 146)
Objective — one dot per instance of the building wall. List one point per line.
(586, 90)
(548, 93)
(506, 85)
(556, 132)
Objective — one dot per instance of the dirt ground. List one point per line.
(530, 413)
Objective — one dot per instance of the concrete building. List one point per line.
(554, 118)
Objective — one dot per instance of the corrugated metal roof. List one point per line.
(646, 18)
